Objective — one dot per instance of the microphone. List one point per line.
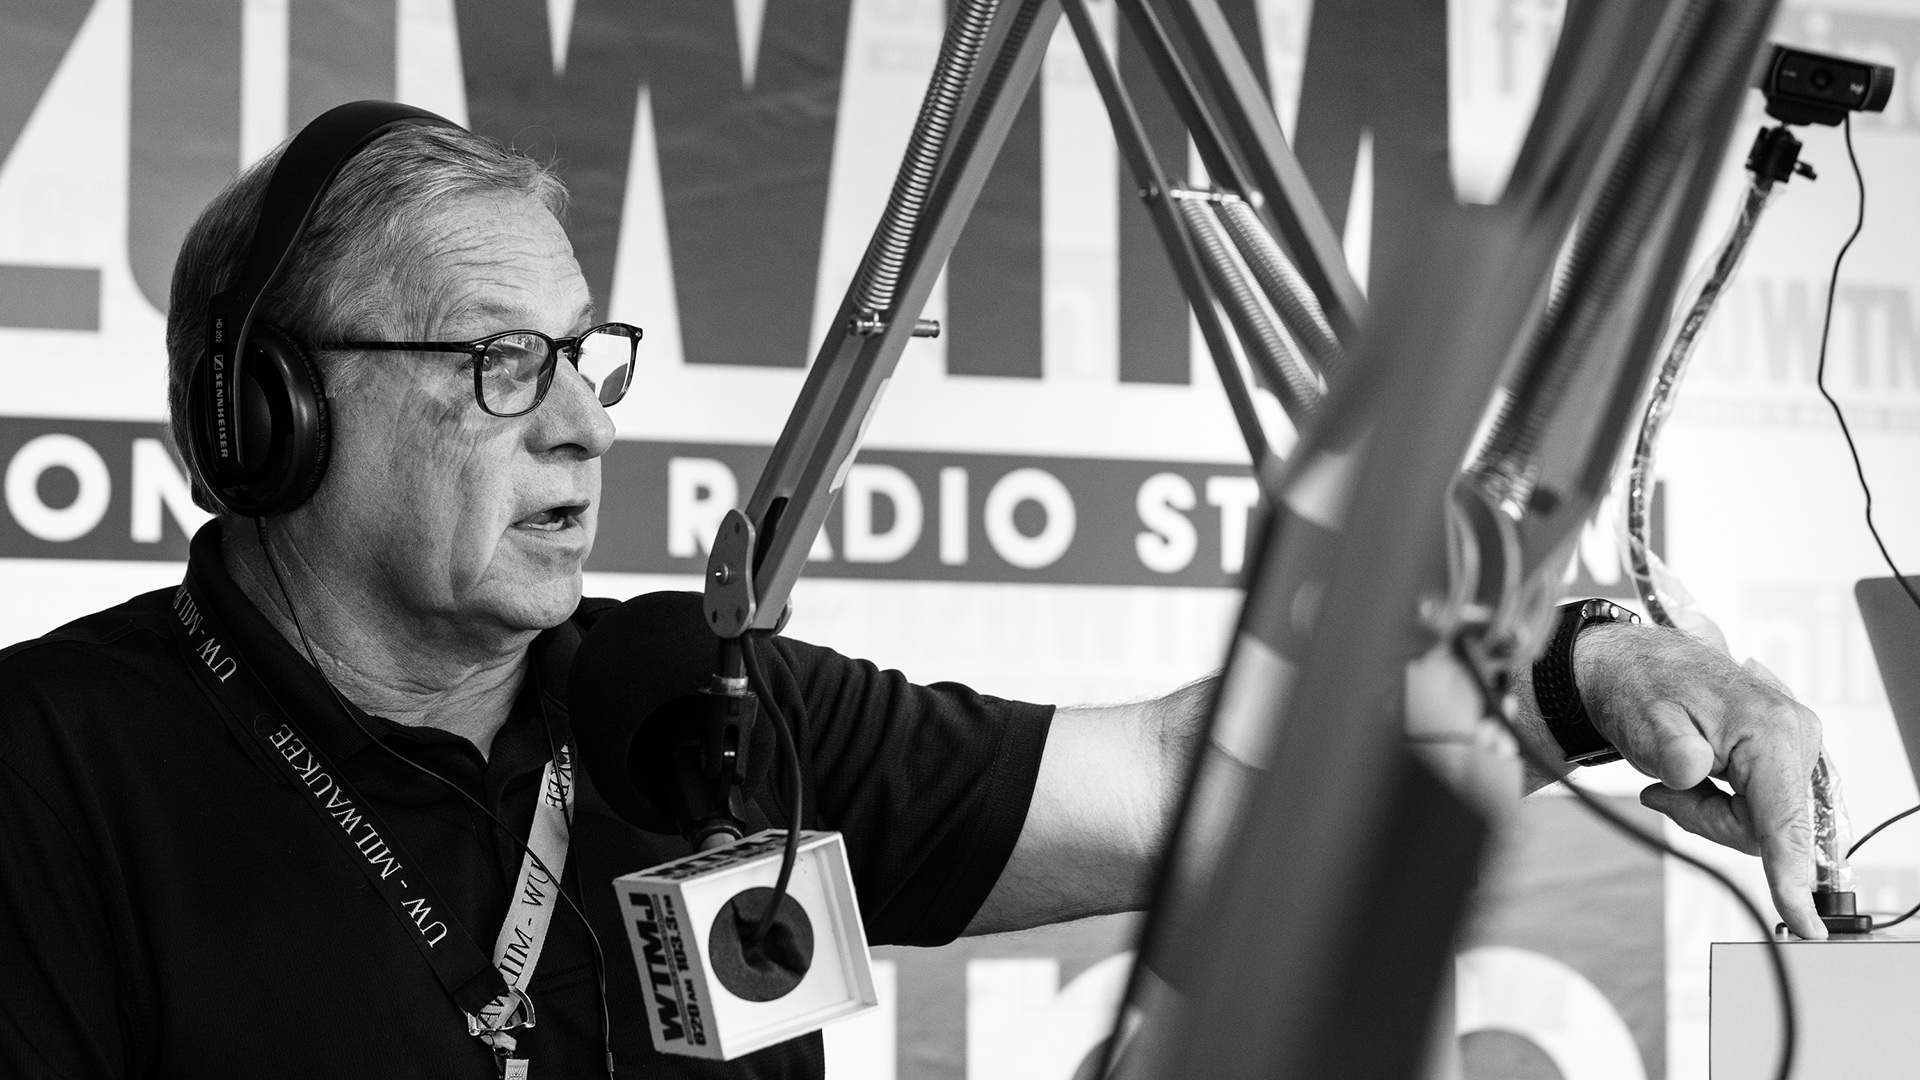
(667, 753)
(669, 749)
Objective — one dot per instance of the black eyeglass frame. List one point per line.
(477, 349)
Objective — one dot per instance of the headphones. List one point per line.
(258, 438)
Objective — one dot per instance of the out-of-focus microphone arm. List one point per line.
(1285, 814)
(1566, 407)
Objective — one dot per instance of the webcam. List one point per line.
(1811, 88)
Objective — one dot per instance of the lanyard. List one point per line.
(491, 992)
(516, 952)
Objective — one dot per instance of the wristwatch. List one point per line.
(1555, 692)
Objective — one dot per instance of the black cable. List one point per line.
(1911, 912)
(757, 679)
(1494, 697)
(1875, 831)
(599, 957)
(1820, 383)
(1820, 368)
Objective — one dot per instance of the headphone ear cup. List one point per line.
(301, 427)
(289, 437)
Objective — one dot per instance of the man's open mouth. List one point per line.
(553, 518)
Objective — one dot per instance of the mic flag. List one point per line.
(708, 993)
(636, 674)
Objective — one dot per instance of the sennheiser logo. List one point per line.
(218, 360)
(220, 403)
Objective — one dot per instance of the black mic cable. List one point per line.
(1820, 368)
(757, 677)
(599, 957)
(1820, 384)
(1871, 833)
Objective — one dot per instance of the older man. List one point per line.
(182, 894)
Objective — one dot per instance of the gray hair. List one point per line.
(363, 266)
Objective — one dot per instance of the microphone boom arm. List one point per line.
(987, 65)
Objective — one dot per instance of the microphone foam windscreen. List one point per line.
(638, 657)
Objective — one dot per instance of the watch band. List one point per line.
(1556, 693)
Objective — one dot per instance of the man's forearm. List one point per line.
(1108, 791)
(1176, 724)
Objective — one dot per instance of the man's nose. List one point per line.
(572, 415)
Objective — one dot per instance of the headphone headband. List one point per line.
(300, 179)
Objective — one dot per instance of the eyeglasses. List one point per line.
(512, 371)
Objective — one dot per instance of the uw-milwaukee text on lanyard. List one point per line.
(516, 952)
(493, 993)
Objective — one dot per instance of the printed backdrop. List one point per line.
(1055, 503)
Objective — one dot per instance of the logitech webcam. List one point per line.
(1810, 88)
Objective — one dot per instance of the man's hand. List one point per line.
(1681, 710)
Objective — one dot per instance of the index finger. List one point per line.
(1775, 787)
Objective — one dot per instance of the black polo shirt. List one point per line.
(170, 907)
